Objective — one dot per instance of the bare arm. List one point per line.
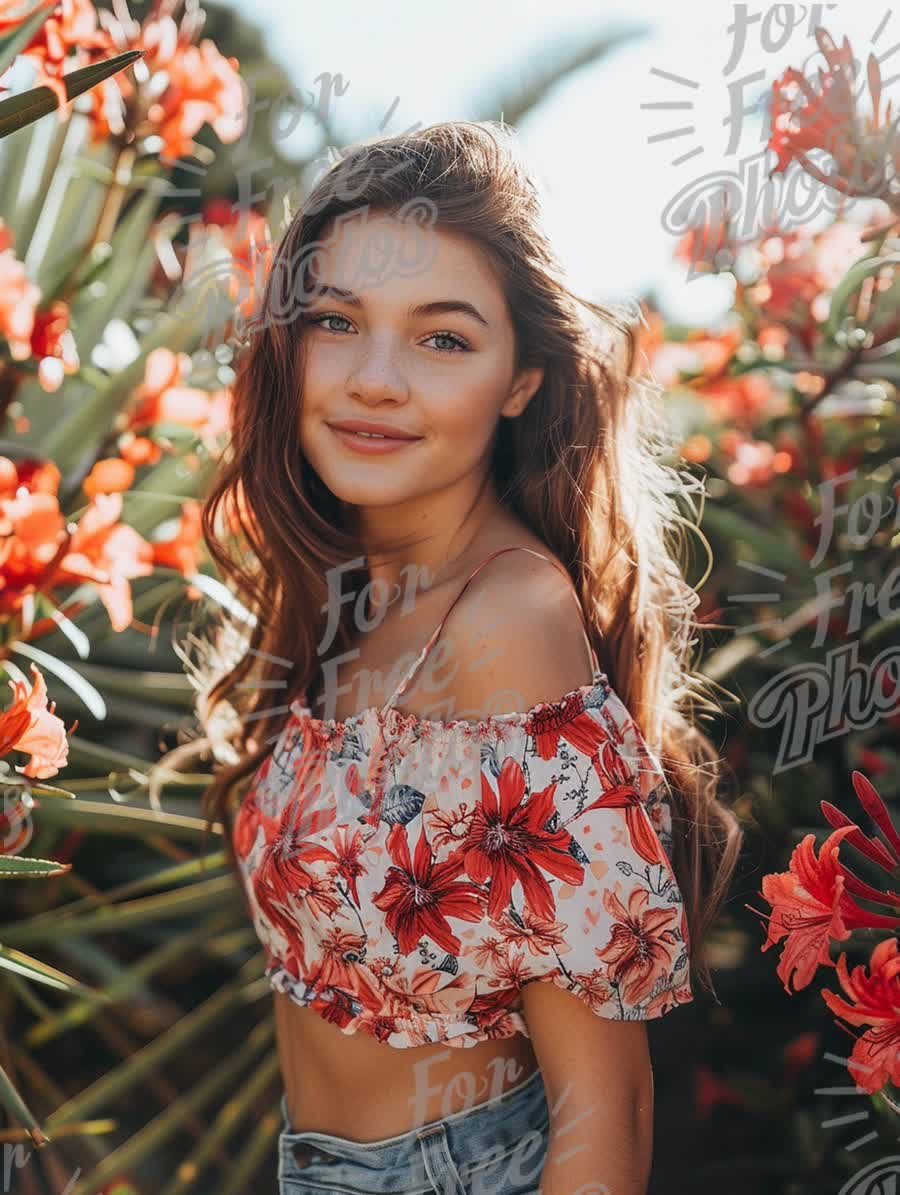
(599, 1086)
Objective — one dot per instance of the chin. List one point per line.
(356, 492)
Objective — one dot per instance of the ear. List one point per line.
(526, 384)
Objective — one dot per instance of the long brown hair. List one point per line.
(587, 466)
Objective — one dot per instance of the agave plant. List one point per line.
(20, 35)
(113, 418)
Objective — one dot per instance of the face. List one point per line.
(383, 352)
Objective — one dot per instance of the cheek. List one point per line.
(467, 417)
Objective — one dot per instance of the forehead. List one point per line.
(380, 256)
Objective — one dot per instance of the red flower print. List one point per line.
(508, 842)
(595, 989)
(342, 966)
(570, 721)
(537, 935)
(875, 993)
(347, 852)
(419, 896)
(621, 793)
(282, 870)
(449, 827)
(510, 971)
(278, 918)
(642, 948)
(246, 825)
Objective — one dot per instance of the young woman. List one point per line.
(477, 862)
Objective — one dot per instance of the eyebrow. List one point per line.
(438, 307)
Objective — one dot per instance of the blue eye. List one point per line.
(459, 344)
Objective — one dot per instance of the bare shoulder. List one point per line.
(513, 639)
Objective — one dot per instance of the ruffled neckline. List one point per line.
(395, 719)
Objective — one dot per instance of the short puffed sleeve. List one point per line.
(609, 923)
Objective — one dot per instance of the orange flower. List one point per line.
(15, 12)
(747, 399)
(53, 346)
(139, 450)
(204, 88)
(183, 551)
(18, 299)
(32, 533)
(875, 996)
(100, 550)
(162, 399)
(109, 554)
(109, 476)
(29, 726)
(67, 40)
(36, 475)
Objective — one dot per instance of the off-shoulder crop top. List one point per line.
(407, 877)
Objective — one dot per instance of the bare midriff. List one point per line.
(356, 1087)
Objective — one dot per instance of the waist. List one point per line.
(364, 1090)
(502, 1140)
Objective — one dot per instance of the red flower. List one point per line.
(419, 895)
(803, 119)
(621, 793)
(711, 1092)
(810, 907)
(642, 947)
(508, 842)
(875, 992)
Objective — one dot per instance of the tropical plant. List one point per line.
(789, 407)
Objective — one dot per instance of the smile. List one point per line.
(369, 443)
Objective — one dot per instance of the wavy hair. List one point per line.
(588, 466)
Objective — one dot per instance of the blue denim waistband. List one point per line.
(493, 1128)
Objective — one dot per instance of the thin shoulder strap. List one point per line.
(420, 659)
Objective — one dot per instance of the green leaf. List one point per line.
(40, 972)
(22, 36)
(15, 865)
(88, 694)
(23, 109)
(851, 282)
(16, 1108)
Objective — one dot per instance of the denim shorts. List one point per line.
(497, 1147)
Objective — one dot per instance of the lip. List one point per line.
(371, 447)
(366, 425)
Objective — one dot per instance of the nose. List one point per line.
(376, 375)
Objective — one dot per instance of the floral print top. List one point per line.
(407, 877)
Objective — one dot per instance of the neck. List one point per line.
(426, 541)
